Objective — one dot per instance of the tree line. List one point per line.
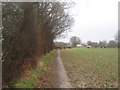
(103, 44)
(29, 29)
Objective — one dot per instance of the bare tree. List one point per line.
(75, 40)
(29, 29)
(103, 44)
(89, 43)
(94, 44)
(112, 43)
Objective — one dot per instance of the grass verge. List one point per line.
(36, 78)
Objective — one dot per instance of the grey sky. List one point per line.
(95, 20)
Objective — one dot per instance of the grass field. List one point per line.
(91, 67)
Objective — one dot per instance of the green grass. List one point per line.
(91, 67)
(30, 78)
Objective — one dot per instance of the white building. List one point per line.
(79, 45)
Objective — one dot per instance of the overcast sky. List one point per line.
(95, 20)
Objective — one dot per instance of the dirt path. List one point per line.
(62, 80)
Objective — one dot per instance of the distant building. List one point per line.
(68, 45)
(62, 45)
(79, 45)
